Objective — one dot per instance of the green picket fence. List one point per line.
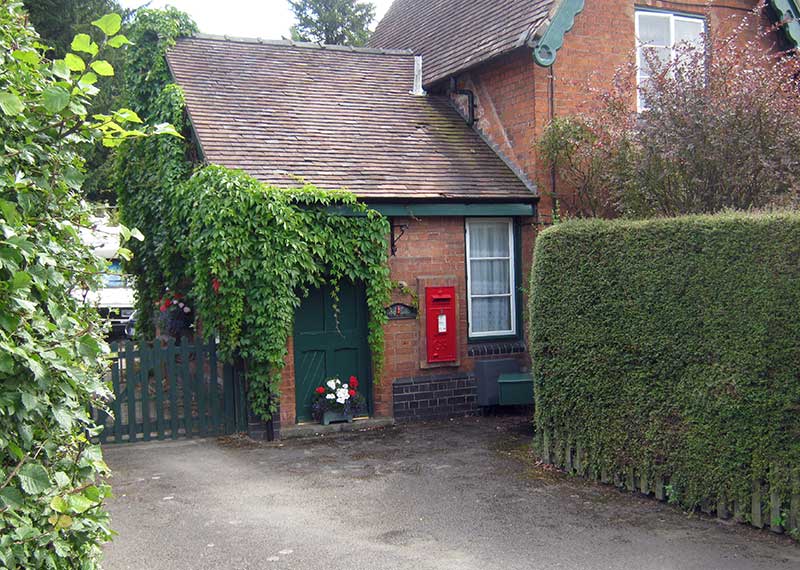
(172, 390)
(776, 508)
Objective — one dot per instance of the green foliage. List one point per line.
(244, 254)
(581, 156)
(146, 72)
(671, 346)
(335, 22)
(719, 132)
(146, 169)
(57, 22)
(52, 352)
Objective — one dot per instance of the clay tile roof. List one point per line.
(335, 117)
(453, 35)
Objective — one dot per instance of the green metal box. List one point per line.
(516, 389)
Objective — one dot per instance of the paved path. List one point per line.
(460, 495)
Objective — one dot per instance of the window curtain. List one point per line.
(490, 276)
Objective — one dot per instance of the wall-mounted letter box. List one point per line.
(440, 311)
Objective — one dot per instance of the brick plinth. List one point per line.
(434, 397)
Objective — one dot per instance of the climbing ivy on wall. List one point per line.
(146, 170)
(244, 253)
(251, 252)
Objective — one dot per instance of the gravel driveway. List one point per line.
(457, 495)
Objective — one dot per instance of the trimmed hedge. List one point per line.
(672, 347)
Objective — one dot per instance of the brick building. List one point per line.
(523, 62)
(435, 126)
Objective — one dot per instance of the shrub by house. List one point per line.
(669, 348)
(52, 352)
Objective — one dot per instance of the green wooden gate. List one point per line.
(171, 391)
(327, 344)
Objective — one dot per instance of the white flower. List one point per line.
(332, 384)
(181, 305)
(345, 386)
(186, 310)
(342, 395)
(330, 396)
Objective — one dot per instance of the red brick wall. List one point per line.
(512, 95)
(431, 252)
(512, 91)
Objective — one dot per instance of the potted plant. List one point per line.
(337, 401)
(175, 316)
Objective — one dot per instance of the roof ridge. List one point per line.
(307, 45)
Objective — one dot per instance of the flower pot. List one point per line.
(336, 417)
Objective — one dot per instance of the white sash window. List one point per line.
(660, 32)
(490, 277)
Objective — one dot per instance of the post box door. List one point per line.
(440, 310)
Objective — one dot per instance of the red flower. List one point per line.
(320, 390)
(354, 382)
(167, 304)
(351, 392)
(215, 284)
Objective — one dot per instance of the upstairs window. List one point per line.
(490, 277)
(660, 32)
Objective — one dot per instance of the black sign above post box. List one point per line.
(399, 311)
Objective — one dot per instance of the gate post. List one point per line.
(256, 427)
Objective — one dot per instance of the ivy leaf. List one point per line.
(11, 498)
(26, 532)
(102, 67)
(60, 521)
(59, 505)
(26, 56)
(136, 234)
(62, 479)
(111, 142)
(11, 104)
(84, 43)
(9, 211)
(166, 129)
(6, 360)
(109, 24)
(63, 417)
(88, 346)
(123, 252)
(74, 177)
(79, 110)
(118, 41)
(61, 69)
(93, 493)
(79, 503)
(127, 115)
(16, 450)
(34, 479)
(20, 280)
(55, 98)
(29, 401)
(74, 62)
(88, 79)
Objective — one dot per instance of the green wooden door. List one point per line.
(325, 346)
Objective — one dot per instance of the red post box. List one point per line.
(440, 311)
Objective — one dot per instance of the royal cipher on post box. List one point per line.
(440, 310)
